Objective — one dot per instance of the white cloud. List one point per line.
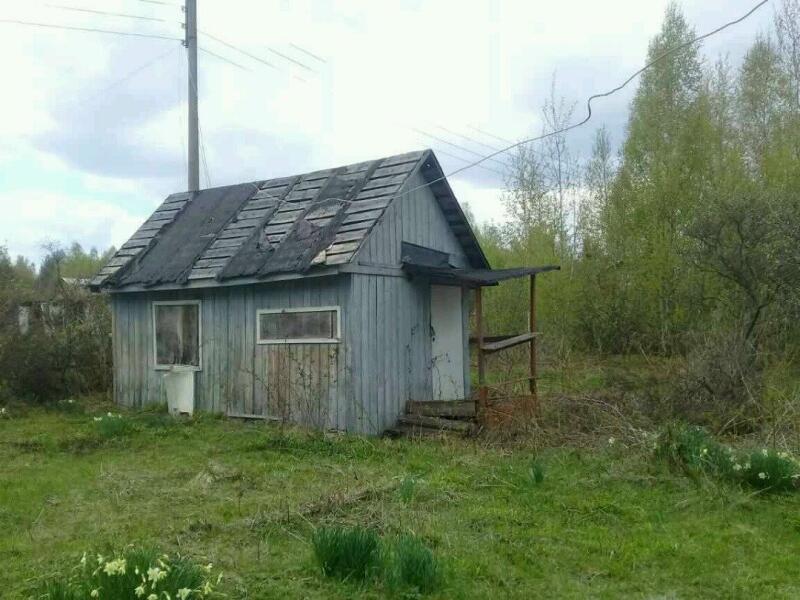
(389, 67)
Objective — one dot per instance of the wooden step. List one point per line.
(458, 409)
(415, 431)
(437, 423)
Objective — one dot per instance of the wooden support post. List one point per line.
(532, 323)
(482, 391)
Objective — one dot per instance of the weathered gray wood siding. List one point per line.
(359, 385)
(299, 382)
(388, 339)
(414, 217)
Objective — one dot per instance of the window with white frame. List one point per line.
(315, 325)
(176, 331)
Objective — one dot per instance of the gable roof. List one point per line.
(286, 225)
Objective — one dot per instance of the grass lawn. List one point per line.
(606, 522)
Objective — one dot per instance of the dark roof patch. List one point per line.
(288, 224)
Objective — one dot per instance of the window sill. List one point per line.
(181, 367)
(298, 341)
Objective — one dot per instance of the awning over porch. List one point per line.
(418, 260)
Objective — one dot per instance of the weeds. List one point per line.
(347, 553)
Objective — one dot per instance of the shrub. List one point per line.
(132, 575)
(112, 425)
(347, 553)
(66, 352)
(414, 566)
(721, 383)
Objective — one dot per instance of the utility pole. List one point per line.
(190, 43)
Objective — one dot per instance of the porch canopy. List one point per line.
(435, 265)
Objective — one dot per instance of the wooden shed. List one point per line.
(328, 299)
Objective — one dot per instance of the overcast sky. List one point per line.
(93, 126)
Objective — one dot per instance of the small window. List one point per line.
(176, 327)
(299, 325)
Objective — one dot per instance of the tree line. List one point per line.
(692, 226)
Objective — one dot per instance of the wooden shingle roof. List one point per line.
(285, 225)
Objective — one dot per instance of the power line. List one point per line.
(454, 145)
(222, 58)
(131, 74)
(105, 13)
(308, 53)
(90, 29)
(470, 139)
(466, 160)
(290, 59)
(161, 3)
(246, 53)
(659, 58)
(491, 135)
(237, 49)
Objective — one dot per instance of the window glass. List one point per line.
(177, 334)
(317, 324)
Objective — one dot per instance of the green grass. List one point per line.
(348, 553)
(604, 522)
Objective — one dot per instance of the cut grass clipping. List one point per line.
(134, 574)
(357, 554)
(694, 450)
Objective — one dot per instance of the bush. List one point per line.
(132, 575)
(721, 384)
(347, 553)
(66, 353)
(414, 566)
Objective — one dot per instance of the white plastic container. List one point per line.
(179, 383)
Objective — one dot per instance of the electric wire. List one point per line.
(454, 145)
(466, 160)
(290, 59)
(90, 29)
(524, 142)
(104, 91)
(468, 138)
(308, 53)
(246, 53)
(491, 135)
(105, 13)
(222, 58)
(161, 3)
